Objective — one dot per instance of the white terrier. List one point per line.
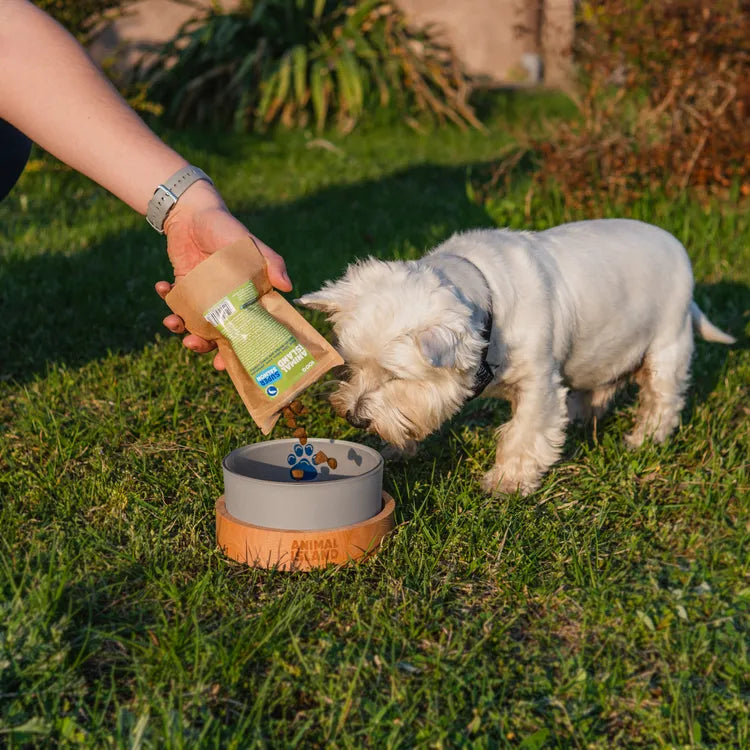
(553, 321)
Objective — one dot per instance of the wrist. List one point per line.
(169, 193)
(200, 196)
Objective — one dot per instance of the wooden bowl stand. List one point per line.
(287, 549)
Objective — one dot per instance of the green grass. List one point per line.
(611, 608)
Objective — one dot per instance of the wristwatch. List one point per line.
(167, 194)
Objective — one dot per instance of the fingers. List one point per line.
(197, 344)
(276, 267)
(163, 288)
(174, 324)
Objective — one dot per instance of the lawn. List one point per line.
(610, 608)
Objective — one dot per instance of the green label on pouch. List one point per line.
(267, 350)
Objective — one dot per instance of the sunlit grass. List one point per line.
(608, 609)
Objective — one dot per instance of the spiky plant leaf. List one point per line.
(319, 92)
(299, 63)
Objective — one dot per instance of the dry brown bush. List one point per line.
(665, 101)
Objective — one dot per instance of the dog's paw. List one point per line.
(634, 439)
(497, 482)
(393, 453)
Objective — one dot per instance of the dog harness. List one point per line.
(485, 372)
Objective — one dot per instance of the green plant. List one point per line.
(297, 61)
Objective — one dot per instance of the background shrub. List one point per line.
(305, 61)
(664, 102)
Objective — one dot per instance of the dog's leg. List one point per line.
(583, 406)
(532, 441)
(579, 406)
(601, 398)
(663, 380)
(391, 452)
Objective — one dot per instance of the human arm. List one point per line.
(52, 91)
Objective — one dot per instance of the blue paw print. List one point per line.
(300, 459)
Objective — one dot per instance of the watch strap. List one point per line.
(168, 192)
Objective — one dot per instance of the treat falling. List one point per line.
(302, 469)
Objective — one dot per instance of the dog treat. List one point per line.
(321, 458)
(271, 352)
(296, 408)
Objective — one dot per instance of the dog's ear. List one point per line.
(342, 295)
(328, 299)
(438, 345)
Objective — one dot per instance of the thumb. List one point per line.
(276, 266)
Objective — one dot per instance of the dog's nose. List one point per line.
(358, 422)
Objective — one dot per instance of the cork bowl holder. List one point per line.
(266, 518)
(291, 550)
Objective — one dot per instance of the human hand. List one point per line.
(199, 225)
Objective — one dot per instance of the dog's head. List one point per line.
(410, 345)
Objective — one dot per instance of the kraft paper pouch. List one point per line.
(271, 352)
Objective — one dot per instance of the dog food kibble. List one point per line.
(289, 418)
(291, 413)
(321, 458)
(297, 408)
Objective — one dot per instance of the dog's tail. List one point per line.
(707, 330)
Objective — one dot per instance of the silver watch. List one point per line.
(167, 194)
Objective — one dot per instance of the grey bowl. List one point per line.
(259, 488)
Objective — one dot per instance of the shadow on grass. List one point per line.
(70, 309)
(725, 304)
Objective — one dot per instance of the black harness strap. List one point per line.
(485, 372)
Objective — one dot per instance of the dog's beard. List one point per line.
(400, 410)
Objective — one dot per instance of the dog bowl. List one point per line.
(259, 488)
(267, 518)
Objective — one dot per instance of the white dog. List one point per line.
(553, 321)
